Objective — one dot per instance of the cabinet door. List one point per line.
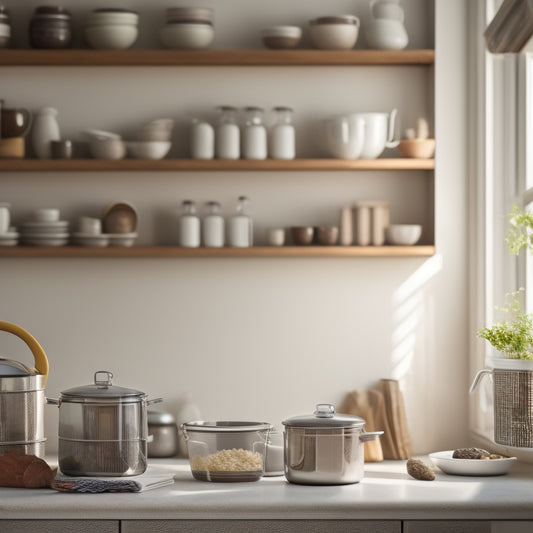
(267, 526)
(468, 526)
(59, 526)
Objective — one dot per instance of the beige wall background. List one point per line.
(255, 339)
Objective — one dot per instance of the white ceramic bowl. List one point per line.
(157, 130)
(333, 36)
(111, 36)
(404, 234)
(187, 36)
(91, 135)
(471, 467)
(107, 148)
(111, 17)
(148, 149)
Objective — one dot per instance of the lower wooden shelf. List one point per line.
(179, 252)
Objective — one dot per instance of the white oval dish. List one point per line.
(471, 467)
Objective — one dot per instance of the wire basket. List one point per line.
(513, 407)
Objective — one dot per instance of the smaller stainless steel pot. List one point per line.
(325, 448)
(102, 429)
(163, 431)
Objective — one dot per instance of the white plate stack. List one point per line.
(10, 237)
(45, 229)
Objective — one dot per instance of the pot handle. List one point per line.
(41, 361)
(478, 378)
(53, 401)
(155, 400)
(391, 143)
(371, 435)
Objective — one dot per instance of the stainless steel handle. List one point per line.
(477, 379)
(371, 435)
(155, 400)
(53, 401)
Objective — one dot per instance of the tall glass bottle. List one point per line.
(189, 231)
(240, 232)
(213, 226)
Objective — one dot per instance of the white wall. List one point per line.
(259, 339)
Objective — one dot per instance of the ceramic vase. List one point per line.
(45, 130)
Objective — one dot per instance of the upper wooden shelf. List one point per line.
(97, 58)
(179, 252)
(58, 165)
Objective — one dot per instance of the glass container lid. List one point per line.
(325, 417)
(102, 389)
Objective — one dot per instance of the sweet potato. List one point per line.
(27, 471)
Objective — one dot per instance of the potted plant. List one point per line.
(513, 372)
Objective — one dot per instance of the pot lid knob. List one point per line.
(324, 410)
(105, 381)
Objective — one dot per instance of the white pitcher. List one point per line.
(385, 29)
(45, 130)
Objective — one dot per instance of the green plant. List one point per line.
(520, 232)
(513, 338)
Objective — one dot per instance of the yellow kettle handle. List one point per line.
(41, 361)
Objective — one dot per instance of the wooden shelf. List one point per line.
(59, 165)
(98, 58)
(179, 252)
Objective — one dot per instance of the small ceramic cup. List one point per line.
(90, 225)
(61, 149)
(46, 214)
(4, 217)
(276, 236)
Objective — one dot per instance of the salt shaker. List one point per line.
(254, 142)
(202, 140)
(240, 232)
(213, 226)
(228, 135)
(189, 232)
(282, 136)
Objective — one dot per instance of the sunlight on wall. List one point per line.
(408, 313)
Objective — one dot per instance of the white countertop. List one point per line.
(386, 492)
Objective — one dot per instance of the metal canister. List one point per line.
(22, 399)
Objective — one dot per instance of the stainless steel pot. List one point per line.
(325, 448)
(22, 399)
(163, 430)
(102, 429)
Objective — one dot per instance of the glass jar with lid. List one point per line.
(213, 226)
(189, 230)
(254, 142)
(282, 134)
(240, 232)
(228, 134)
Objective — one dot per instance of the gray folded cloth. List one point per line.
(143, 482)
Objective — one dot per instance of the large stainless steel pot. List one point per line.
(22, 399)
(102, 429)
(325, 448)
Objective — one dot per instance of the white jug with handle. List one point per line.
(385, 29)
(345, 136)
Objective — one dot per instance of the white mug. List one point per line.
(4, 218)
(276, 236)
(89, 225)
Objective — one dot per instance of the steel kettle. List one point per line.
(22, 399)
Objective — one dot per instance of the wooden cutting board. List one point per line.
(359, 403)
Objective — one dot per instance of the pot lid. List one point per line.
(15, 368)
(226, 426)
(158, 418)
(102, 389)
(325, 417)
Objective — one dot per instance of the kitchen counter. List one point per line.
(385, 493)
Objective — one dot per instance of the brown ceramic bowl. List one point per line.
(327, 235)
(119, 218)
(302, 235)
(417, 148)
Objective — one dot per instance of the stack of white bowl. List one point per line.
(44, 228)
(111, 28)
(189, 28)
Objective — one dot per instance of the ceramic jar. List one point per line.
(385, 29)
(202, 140)
(51, 27)
(254, 141)
(189, 230)
(228, 134)
(282, 135)
(45, 129)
